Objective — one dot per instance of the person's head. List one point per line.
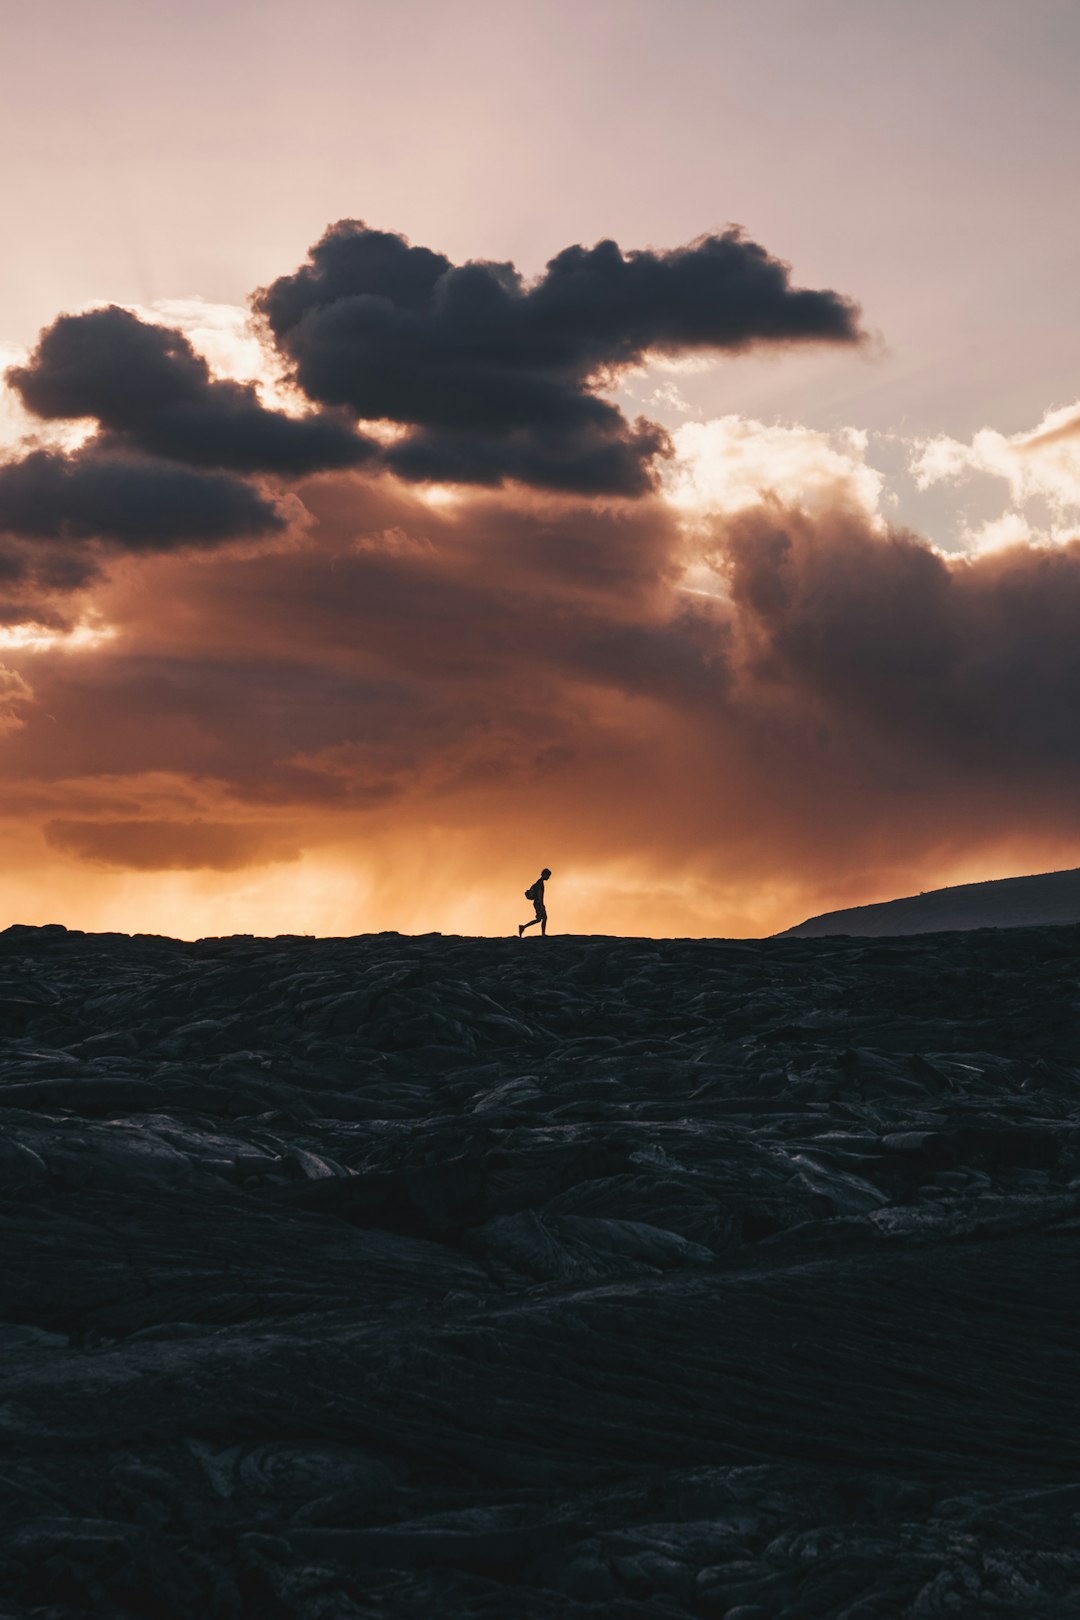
(546, 873)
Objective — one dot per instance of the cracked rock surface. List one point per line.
(572, 1277)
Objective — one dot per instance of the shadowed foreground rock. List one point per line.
(443, 1277)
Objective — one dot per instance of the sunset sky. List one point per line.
(442, 440)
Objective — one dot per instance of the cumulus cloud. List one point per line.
(19, 428)
(136, 449)
(498, 379)
(149, 390)
(137, 504)
(1041, 464)
(734, 462)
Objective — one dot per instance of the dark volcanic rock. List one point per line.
(445, 1277)
(1019, 902)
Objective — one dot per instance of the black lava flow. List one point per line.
(568, 1277)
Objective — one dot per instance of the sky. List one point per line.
(442, 440)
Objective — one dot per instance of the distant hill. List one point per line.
(1018, 902)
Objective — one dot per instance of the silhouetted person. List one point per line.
(536, 895)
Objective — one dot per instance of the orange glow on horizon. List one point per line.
(329, 895)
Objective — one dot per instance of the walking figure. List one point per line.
(536, 895)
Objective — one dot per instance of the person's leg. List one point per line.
(542, 919)
(522, 926)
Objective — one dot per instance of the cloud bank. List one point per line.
(433, 698)
(730, 696)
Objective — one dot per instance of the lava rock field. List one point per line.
(565, 1277)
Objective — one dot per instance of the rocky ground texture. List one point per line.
(571, 1277)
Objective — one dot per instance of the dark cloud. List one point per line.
(34, 615)
(497, 378)
(128, 488)
(45, 569)
(387, 653)
(951, 666)
(837, 662)
(137, 504)
(428, 692)
(33, 576)
(149, 390)
(170, 846)
(596, 458)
